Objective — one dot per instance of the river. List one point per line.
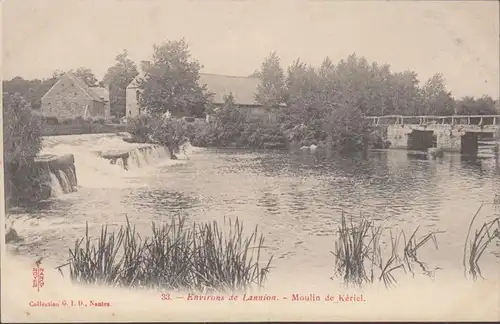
(296, 199)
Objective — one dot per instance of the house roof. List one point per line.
(101, 92)
(243, 89)
(94, 93)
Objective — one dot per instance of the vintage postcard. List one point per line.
(250, 161)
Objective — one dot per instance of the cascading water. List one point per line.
(144, 156)
(56, 188)
(95, 168)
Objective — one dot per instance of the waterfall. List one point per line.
(55, 185)
(102, 161)
(144, 156)
(65, 183)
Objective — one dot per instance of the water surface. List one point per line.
(296, 199)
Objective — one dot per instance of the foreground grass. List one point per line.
(360, 259)
(476, 245)
(197, 258)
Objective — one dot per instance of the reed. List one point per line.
(197, 258)
(475, 246)
(361, 258)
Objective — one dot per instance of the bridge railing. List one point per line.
(478, 120)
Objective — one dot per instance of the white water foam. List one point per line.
(93, 171)
(56, 188)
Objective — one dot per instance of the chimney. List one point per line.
(145, 65)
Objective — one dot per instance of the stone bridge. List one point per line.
(471, 135)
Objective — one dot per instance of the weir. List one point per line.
(57, 174)
(141, 156)
(102, 156)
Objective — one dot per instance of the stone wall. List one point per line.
(65, 100)
(448, 137)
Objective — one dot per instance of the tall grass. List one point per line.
(359, 256)
(475, 246)
(198, 258)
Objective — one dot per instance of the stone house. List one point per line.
(70, 97)
(243, 90)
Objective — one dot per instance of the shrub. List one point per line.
(172, 133)
(200, 258)
(141, 127)
(22, 142)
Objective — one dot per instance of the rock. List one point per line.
(12, 236)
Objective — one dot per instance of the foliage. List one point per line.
(437, 100)
(347, 130)
(171, 133)
(476, 106)
(22, 142)
(270, 91)
(118, 77)
(86, 75)
(171, 82)
(32, 90)
(202, 258)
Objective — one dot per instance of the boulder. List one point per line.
(12, 236)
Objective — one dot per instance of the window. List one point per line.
(129, 112)
(137, 95)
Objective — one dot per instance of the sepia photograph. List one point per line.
(228, 160)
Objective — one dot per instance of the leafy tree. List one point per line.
(87, 76)
(118, 77)
(471, 106)
(171, 83)
(22, 142)
(270, 91)
(436, 99)
(31, 90)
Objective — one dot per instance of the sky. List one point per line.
(459, 39)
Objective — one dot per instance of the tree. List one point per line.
(471, 106)
(436, 99)
(270, 91)
(171, 82)
(87, 76)
(22, 142)
(31, 90)
(118, 77)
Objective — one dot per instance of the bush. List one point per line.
(141, 128)
(22, 142)
(171, 133)
(201, 258)
(347, 130)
